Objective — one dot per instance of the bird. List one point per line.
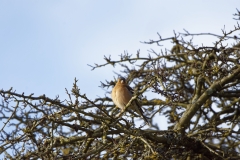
(122, 94)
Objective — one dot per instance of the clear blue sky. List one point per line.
(45, 44)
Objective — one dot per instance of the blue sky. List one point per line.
(45, 44)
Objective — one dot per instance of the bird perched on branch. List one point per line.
(122, 94)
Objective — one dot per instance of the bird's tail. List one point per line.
(146, 120)
(139, 110)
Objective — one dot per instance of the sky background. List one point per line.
(45, 44)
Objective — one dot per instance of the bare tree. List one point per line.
(197, 88)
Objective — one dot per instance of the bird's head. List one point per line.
(121, 80)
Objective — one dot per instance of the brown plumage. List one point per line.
(122, 94)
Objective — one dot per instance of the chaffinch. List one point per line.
(122, 94)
